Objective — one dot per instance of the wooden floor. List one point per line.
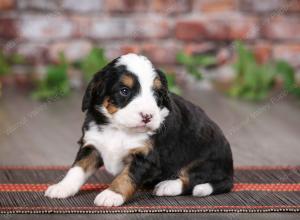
(34, 133)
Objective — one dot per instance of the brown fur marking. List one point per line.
(184, 172)
(90, 162)
(123, 184)
(157, 83)
(127, 80)
(111, 108)
(183, 176)
(143, 150)
(139, 150)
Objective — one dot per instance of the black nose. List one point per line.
(146, 118)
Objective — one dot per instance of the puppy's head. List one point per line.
(131, 93)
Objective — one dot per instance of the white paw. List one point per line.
(109, 198)
(60, 191)
(202, 190)
(168, 188)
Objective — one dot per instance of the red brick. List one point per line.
(198, 48)
(82, 25)
(7, 5)
(130, 49)
(129, 28)
(112, 49)
(217, 28)
(161, 53)
(34, 52)
(74, 50)
(275, 6)
(262, 51)
(281, 28)
(243, 28)
(190, 30)
(8, 28)
(294, 6)
(170, 6)
(46, 27)
(215, 5)
(122, 6)
(288, 52)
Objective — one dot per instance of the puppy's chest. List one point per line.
(114, 145)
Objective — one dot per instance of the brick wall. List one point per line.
(39, 29)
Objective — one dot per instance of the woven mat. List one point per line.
(256, 189)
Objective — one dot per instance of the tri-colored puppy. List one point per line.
(145, 136)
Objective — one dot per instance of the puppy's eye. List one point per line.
(124, 91)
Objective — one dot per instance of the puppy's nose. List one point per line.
(146, 118)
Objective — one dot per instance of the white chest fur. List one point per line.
(113, 144)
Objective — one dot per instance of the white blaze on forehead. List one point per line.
(145, 102)
(141, 67)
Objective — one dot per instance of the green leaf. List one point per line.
(94, 61)
(205, 60)
(254, 81)
(171, 79)
(17, 59)
(56, 83)
(192, 64)
(184, 59)
(287, 72)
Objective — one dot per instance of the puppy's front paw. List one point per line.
(60, 191)
(168, 188)
(109, 198)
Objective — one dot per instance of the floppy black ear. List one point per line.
(164, 91)
(96, 88)
(87, 98)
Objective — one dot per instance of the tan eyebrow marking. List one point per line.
(127, 80)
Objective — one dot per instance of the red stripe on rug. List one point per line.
(277, 187)
(43, 187)
(287, 187)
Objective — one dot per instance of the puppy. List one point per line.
(145, 135)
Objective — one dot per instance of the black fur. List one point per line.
(190, 137)
(187, 139)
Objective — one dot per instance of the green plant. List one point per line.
(92, 63)
(287, 73)
(56, 83)
(7, 61)
(173, 87)
(193, 63)
(254, 81)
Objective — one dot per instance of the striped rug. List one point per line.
(256, 189)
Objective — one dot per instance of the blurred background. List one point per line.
(237, 59)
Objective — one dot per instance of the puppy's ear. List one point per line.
(87, 98)
(95, 88)
(164, 91)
